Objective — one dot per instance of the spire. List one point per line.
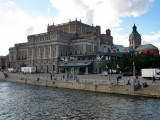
(134, 28)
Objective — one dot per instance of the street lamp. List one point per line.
(117, 68)
(107, 72)
(106, 68)
(133, 73)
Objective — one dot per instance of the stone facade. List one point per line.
(2, 62)
(45, 51)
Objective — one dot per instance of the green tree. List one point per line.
(102, 66)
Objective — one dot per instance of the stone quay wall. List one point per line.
(96, 87)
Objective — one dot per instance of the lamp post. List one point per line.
(106, 68)
(107, 72)
(117, 68)
(133, 73)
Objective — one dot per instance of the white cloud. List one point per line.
(120, 39)
(16, 25)
(105, 13)
(157, 44)
(11, 3)
(48, 10)
(150, 38)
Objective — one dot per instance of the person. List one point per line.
(144, 84)
(38, 79)
(51, 76)
(153, 78)
(117, 79)
(63, 77)
(128, 82)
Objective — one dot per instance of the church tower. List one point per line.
(134, 38)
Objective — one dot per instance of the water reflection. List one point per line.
(20, 101)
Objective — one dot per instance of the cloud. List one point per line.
(150, 38)
(105, 13)
(120, 39)
(29, 30)
(157, 44)
(48, 10)
(16, 25)
(11, 3)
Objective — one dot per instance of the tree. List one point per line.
(102, 66)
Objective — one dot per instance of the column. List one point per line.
(57, 51)
(27, 54)
(32, 53)
(44, 52)
(87, 70)
(50, 51)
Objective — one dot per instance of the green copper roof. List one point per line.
(134, 32)
(147, 46)
(129, 49)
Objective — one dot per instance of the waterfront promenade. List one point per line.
(91, 78)
(92, 82)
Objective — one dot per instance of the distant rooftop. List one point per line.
(2, 56)
(145, 47)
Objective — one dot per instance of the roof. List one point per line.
(134, 32)
(129, 49)
(120, 48)
(80, 64)
(144, 47)
(2, 56)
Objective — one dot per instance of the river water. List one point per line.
(28, 102)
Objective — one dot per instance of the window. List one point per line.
(61, 52)
(75, 52)
(12, 57)
(53, 53)
(66, 53)
(47, 54)
(42, 52)
(70, 52)
(80, 52)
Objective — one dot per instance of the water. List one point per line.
(28, 102)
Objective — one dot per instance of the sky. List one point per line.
(20, 18)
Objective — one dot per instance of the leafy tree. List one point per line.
(102, 66)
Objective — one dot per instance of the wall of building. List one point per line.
(43, 50)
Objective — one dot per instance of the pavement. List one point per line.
(93, 78)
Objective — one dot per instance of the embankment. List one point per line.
(150, 91)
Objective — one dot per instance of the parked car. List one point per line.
(104, 73)
(80, 73)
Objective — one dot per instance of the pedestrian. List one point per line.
(117, 79)
(153, 78)
(63, 77)
(51, 76)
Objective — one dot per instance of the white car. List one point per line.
(104, 73)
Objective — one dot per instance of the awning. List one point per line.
(79, 64)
